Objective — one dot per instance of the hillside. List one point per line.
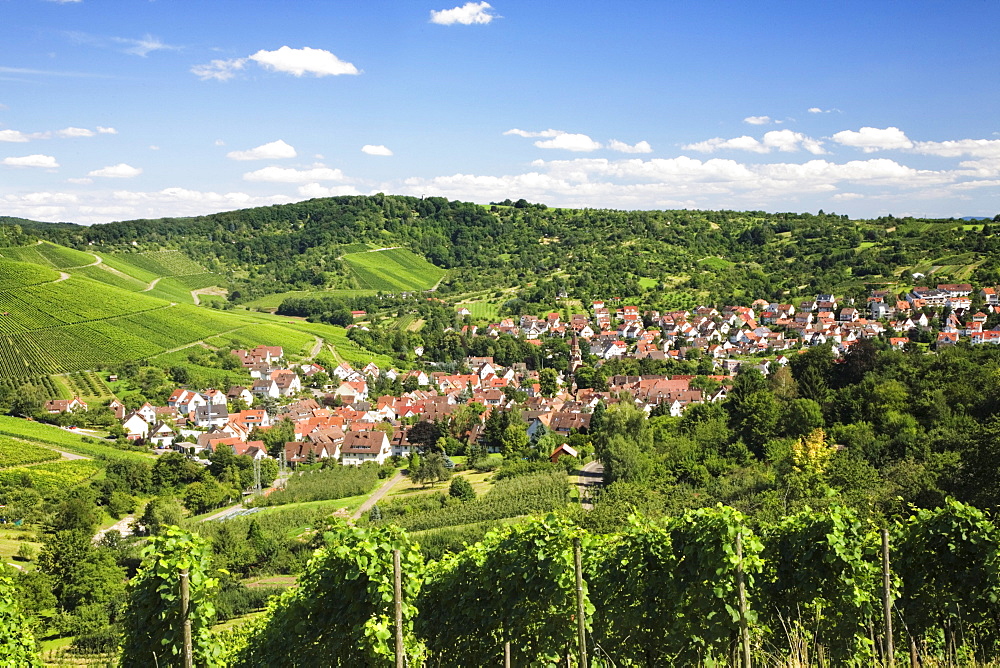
(64, 311)
(663, 258)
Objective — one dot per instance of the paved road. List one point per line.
(590, 477)
(377, 496)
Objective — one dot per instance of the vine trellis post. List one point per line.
(186, 619)
(742, 589)
(887, 600)
(397, 590)
(581, 622)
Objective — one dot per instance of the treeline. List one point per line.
(717, 256)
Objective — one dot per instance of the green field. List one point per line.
(274, 300)
(37, 432)
(21, 453)
(162, 263)
(393, 270)
(48, 478)
(104, 274)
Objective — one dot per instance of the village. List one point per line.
(341, 420)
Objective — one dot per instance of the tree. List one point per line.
(802, 417)
(27, 401)
(461, 488)
(17, 644)
(160, 512)
(173, 469)
(514, 439)
(424, 434)
(753, 410)
(548, 381)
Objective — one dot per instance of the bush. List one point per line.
(461, 489)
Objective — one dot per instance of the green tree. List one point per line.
(461, 488)
(17, 645)
(548, 382)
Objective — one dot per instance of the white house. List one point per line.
(365, 446)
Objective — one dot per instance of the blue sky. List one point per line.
(128, 109)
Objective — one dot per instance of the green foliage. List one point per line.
(152, 622)
(18, 453)
(342, 612)
(333, 483)
(461, 489)
(493, 592)
(17, 644)
(538, 493)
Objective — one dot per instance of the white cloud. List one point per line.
(119, 171)
(275, 150)
(977, 148)
(312, 190)
(814, 110)
(757, 120)
(145, 46)
(570, 142)
(468, 14)
(870, 140)
(46, 161)
(846, 197)
(543, 133)
(220, 70)
(779, 140)
(106, 131)
(375, 149)
(289, 175)
(622, 147)
(81, 181)
(219, 142)
(14, 136)
(302, 61)
(154, 147)
(75, 132)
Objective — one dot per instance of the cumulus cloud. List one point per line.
(37, 160)
(870, 139)
(468, 14)
(622, 147)
(375, 149)
(776, 140)
(106, 131)
(757, 120)
(817, 110)
(119, 171)
(306, 60)
(978, 148)
(220, 70)
(289, 175)
(275, 150)
(312, 190)
(14, 136)
(569, 141)
(81, 181)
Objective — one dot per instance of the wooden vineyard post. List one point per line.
(397, 592)
(506, 654)
(581, 624)
(742, 589)
(188, 650)
(887, 600)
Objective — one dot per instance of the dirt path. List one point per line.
(377, 496)
(152, 284)
(215, 291)
(591, 476)
(122, 526)
(318, 346)
(62, 277)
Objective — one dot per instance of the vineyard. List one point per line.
(395, 270)
(88, 385)
(50, 478)
(162, 263)
(818, 588)
(20, 274)
(102, 274)
(64, 440)
(48, 255)
(20, 453)
(336, 483)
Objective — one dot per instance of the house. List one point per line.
(564, 449)
(148, 412)
(288, 382)
(65, 405)
(135, 427)
(162, 435)
(211, 416)
(239, 392)
(266, 387)
(365, 446)
(564, 423)
(216, 397)
(185, 401)
(117, 408)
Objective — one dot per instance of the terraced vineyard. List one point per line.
(393, 270)
(103, 274)
(43, 433)
(88, 385)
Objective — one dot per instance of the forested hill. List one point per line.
(711, 256)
